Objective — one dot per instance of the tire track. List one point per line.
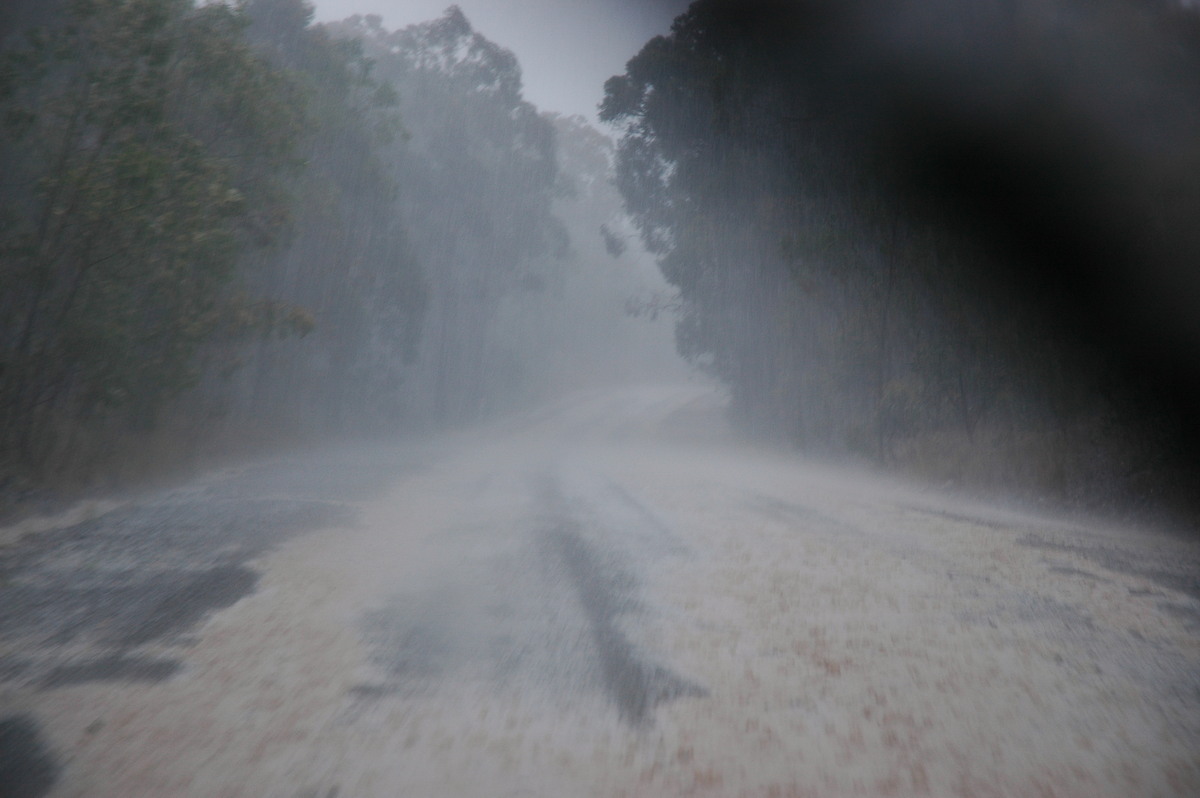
(607, 593)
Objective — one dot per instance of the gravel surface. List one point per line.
(605, 597)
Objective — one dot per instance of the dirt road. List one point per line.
(608, 597)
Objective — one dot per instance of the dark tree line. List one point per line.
(955, 236)
(197, 240)
(480, 171)
(222, 225)
(345, 257)
(146, 146)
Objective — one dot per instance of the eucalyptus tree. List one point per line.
(148, 140)
(586, 318)
(477, 177)
(345, 257)
(911, 229)
(766, 264)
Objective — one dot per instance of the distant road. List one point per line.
(609, 596)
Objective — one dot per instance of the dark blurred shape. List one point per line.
(27, 769)
(1063, 137)
(1037, 155)
(17, 16)
(614, 245)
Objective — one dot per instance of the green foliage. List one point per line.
(477, 176)
(346, 260)
(150, 139)
(769, 155)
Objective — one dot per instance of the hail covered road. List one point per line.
(609, 597)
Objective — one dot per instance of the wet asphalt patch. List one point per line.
(635, 684)
(417, 647)
(81, 604)
(185, 604)
(543, 607)
(111, 668)
(492, 617)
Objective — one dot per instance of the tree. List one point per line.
(478, 176)
(876, 256)
(346, 257)
(152, 139)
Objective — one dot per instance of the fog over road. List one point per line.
(610, 597)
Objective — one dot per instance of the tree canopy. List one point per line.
(188, 190)
(147, 142)
(480, 175)
(892, 226)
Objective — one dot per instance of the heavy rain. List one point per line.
(599, 398)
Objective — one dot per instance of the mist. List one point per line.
(954, 245)
(599, 398)
(400, 241)
(976, 224)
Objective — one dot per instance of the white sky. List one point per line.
(567, 48)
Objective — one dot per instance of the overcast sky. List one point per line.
(567, 48)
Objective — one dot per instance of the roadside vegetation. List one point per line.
(917, 235)
(224, 228)
(161, 160)
(966, 252)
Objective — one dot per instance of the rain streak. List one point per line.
(599, 398)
